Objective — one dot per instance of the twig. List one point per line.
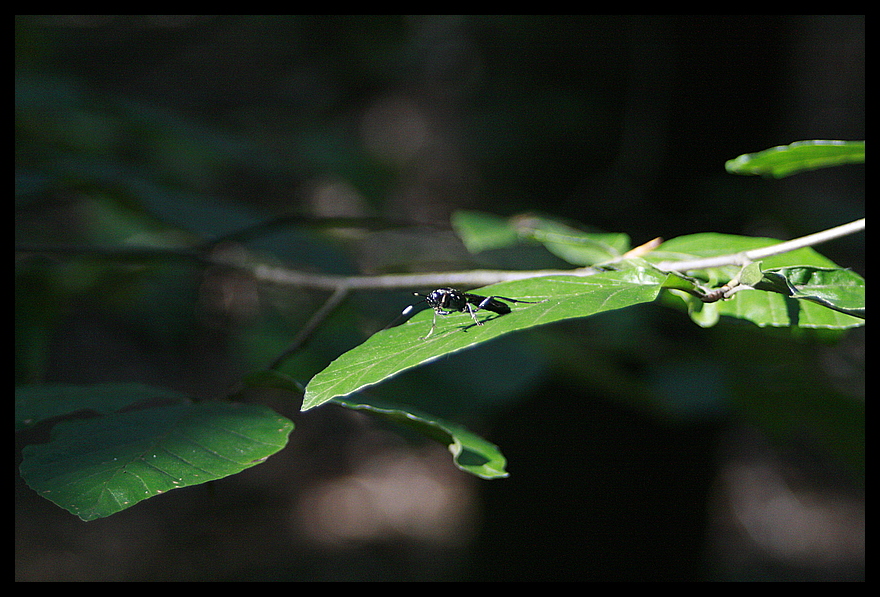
(469, 278)
(311, 325)
(745, 257)
(341, 286)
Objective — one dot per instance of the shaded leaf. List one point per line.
(470, 452)
(37, 403)
(97, 467)
(770, 309)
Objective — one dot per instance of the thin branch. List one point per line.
(311, 325)
(475, 278)
(746, 257)
(469, 278)
(341, 286)
(809, 241)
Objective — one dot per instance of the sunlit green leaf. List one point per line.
(760, 307)
(481, 231)
(786, 160)
(392, 351)
(838, 289)
(576, 246)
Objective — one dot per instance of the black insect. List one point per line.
(445, 301)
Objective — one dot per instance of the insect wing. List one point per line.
(490, 304)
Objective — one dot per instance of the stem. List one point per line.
(469, 278)
(311, 325)
(472, 278)
(746, 257)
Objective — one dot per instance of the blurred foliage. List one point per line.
(170, 132)
(170, 144)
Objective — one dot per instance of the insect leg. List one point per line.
(433, 325)
(473, 313)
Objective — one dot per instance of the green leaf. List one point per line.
(482, 231)
(786, 160)
(838, 289)
(395, 350)
(576, 246)
(37, 403)
(766, 307)
(97, 467)
(770, 309)
(470, 452)
(750, 274)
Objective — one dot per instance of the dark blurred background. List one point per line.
(639, 446)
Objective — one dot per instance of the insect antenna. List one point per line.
(406, 311)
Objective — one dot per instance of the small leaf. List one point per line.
(838, 289)
(482, 231)
(470, 452)
(97, 467)
(751, 274)
(785, 160)
(576, 246)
